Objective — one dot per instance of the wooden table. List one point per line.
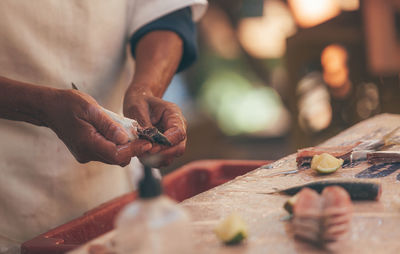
(375, 225)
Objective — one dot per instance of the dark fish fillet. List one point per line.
(383, 157)
(358, 190)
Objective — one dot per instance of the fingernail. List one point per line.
(146, 148)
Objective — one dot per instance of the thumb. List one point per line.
(135, 148)
(110, 129)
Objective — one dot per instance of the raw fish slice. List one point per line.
(336, 199)
(308, 203)
(304, 156)
(307, 214)
(336, 220)
(337, 213)
(336, 233)
(336, 230)
(304, 234)
(311, 224)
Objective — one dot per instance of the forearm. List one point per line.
(158, 55)
(23, 102)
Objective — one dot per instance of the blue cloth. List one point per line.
(179, 22)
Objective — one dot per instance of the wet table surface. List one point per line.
(375, 226)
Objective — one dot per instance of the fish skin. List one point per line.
(358, 190)
(153, 135)
(383, 157)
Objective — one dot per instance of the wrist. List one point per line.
(140, 89)
(45, 101)
(137, 92)
(23, 102)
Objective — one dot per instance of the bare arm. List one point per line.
(75, 117)
(158, 55)
(22, 102)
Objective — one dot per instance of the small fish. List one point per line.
(134, 130)
(153, 135)
(358, 190)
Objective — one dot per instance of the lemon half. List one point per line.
(325, 163)
(232, 230)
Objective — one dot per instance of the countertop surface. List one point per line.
(375, 226)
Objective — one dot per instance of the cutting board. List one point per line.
(375, 226)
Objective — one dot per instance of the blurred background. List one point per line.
(277, 75)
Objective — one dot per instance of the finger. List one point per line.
(165, 162)
(174, 125)
(178, 149)
(172, 152)
(155, 149)
(175, 135)
(161, 161)
(140, 112)
(101, 149)
(110, 129)
(134, 148)
(167, 156)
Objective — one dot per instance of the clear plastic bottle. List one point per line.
(152, 224)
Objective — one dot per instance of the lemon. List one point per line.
(325, 163)
(232, 230)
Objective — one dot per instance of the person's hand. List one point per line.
(88, 132)
(151, 111)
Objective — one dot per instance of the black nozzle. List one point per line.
(149, 186)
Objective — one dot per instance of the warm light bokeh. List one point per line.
(308, 13)
(265, 37)
(335, 70)
(220, 33)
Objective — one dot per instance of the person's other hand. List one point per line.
(88, 132)
(166, 116)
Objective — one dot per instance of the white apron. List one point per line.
(54, 43)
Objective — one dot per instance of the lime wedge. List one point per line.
(325, 163)
(288, 206)
(232, 230)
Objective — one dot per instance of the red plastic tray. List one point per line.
(185, 182)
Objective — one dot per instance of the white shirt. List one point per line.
(53, 43)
